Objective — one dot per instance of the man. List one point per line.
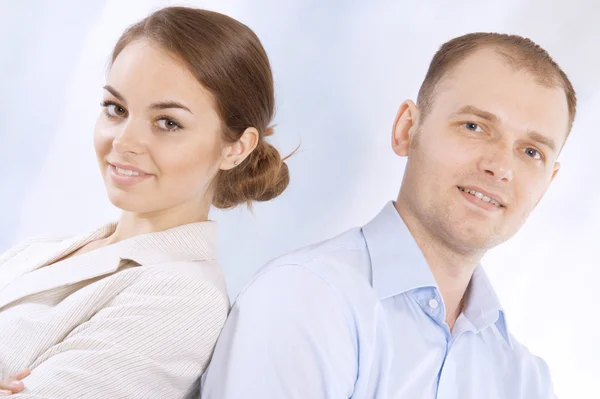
(401, 308)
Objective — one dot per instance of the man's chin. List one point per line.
(474, 237)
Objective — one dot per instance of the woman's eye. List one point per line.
(168, 124)
(114, 110)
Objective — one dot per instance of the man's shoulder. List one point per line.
(335, 260)
(339, 267)
(532, 370)
(529, 362)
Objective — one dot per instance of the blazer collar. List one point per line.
(32, 270)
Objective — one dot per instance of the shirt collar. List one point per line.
(482, 306)
(398, 266)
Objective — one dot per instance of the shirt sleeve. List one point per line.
(539, 382)
(289, 335)
(150, 341)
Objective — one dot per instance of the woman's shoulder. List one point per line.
(183, 254)
(41, 238)
(47, 240)
(20, 246)
(204, 276)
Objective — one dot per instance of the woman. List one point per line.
(133, 309)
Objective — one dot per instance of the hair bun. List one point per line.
(261, 177)
(269, 131)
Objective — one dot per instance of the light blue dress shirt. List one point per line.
(360, 316)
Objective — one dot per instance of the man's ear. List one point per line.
(403, 131)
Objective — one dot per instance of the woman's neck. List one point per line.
(134, 224)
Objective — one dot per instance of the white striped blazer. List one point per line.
(136, 319)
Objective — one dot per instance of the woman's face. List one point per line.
(158, 138)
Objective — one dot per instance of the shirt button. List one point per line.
(433, 303)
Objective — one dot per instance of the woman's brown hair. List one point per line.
(228, 59)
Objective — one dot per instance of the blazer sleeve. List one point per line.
(150, 341)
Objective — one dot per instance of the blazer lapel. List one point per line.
(196, 241)
(72, 270)
(25, 274)
(35, 255)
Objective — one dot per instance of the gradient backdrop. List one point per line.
(341, 70)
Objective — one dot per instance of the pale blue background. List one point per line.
(341, 69)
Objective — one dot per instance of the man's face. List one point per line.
(484, 155)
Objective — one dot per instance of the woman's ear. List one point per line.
(235, 153)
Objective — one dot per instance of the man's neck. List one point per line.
(451, 269)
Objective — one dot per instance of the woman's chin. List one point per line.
(129, 203)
